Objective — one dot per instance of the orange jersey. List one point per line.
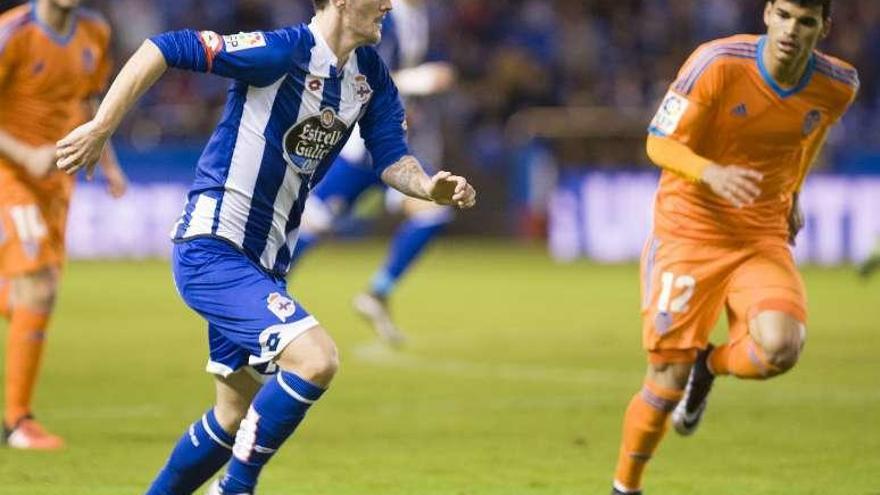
(46, 79)
(726, 108)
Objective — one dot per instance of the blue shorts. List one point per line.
(251, 317)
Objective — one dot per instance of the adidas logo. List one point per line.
(740, 110)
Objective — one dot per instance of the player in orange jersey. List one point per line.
(53, 59)
(735, 137)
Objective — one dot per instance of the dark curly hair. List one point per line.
(320, 4)
(825, 4)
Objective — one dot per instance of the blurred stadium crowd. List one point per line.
(511, 54)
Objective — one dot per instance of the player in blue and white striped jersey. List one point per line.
(418, 69)
(296, 95)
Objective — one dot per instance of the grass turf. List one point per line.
(514, 383)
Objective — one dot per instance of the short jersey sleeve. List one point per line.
(383, 125)
(850, 92)
(691, 100)
(257, 58)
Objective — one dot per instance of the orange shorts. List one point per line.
(33, 219)
(686, 284)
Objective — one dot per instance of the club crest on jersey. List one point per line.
(212, 42)
(362, 89)
(244, 41)
(280, 306)
(811, 121)
(307, 143)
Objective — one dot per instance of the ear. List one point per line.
(826, 29)
(768, 11)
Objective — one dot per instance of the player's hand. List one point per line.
(82, 148)
(737, 185)
(448, 189)
(795, 219)
(39, 161)
(117, 182)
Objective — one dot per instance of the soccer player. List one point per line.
(735, 137)
(352, 175)
(296, 95)
(53, 60)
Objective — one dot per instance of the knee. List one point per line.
(314, 357)
(781, 337)
(321, 367)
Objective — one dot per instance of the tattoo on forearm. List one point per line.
(407, 177)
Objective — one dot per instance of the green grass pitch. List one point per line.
(514, 383)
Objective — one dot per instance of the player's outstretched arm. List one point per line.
(82, 148)
(408, 177)
(737, 185)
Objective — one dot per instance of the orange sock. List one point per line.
(743, 359)
(24, 348)
(643, 427)
(4, 298)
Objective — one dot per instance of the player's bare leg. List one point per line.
(308, 365)
(645, 422)
(32, 298)
(772, 347)
(234, 395)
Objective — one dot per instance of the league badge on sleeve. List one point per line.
(670, 113)
(280, 306)
(244, 41)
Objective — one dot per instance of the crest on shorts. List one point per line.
(811, 121)
(662, 322)
(280, 306)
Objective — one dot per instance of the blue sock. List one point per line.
(304, 244)
(199, 453)
(408, 243)
(276, 411)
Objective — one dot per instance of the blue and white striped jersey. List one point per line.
(288, 113)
